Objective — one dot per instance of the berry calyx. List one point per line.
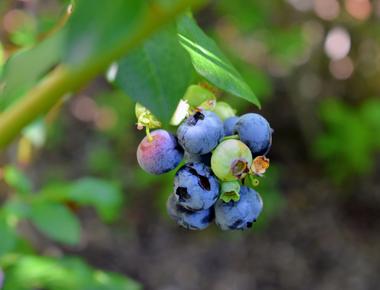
(145, 118)
(260, 165)
(230, 191)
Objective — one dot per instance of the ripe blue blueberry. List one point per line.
(205, 158)
(161, 154)
(255, 131)
(191, 220)
(195, 186)
(200, 132)
(229, 125)
(241, 214)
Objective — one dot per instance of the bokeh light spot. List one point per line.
(301, 5)
(106, 118)
(337, 43)
(14, 19)
(313, 32)
(327, 9)
(342, 69)
(359, 9)
(84, 109)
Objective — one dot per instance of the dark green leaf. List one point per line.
(57, 222)
(26, 67)
(96, 26)
(210, 62)
(103, 195)
(157, 74)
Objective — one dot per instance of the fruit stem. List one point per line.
(147, 131)
(251, 181)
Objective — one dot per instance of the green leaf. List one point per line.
(17, 179)
(8, 237)
(105, 196)
(57, 222)
(33, 272)
(92, 279)
(209, 61)
(16, 208)
(110, 281)
(157, 74)
(68, 273)
(95, 28)
(26, 67)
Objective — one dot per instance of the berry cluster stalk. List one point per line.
(66, 79)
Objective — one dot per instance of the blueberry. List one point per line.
(200, 132)
(229, 125)
(191, 220)
(205, 158)
(195, 186)
(161, 154)
(241, 214)
(255, 131)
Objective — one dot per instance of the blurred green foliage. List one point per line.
(27, 66)
(36, 272)
(351, 139)
(52, 211)
(273, 199)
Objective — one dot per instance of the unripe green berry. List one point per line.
(231, 160)
(197, 95)
(224, 110)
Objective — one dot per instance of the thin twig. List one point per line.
(66, 79)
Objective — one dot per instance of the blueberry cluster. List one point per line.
(222, 155)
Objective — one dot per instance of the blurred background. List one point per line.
(315, 66)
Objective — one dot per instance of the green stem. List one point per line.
(66, 79)
(147, 131)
